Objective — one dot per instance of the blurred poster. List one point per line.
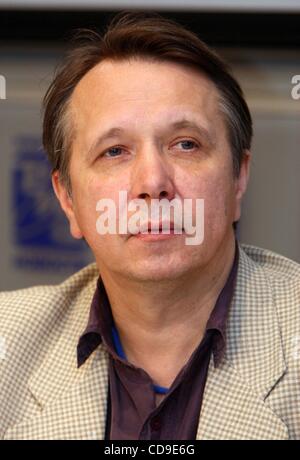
(41, 237)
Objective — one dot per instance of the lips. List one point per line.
(149, 227)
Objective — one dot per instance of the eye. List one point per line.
(112, 152)
(188, 144)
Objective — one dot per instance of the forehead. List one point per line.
(140, 88)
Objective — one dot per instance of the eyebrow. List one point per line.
(114, 132)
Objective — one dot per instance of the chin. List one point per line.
(157, 271)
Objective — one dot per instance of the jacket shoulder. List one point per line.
(282, 278)
(275, 264)
(27, 315)
(33, 302)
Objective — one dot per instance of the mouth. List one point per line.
(159, 228)
(158, 231)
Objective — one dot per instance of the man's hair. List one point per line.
(139, 35)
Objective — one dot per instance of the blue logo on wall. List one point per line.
(39, 222)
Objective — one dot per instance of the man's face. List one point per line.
(149, 157)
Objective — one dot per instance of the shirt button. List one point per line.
(155, 424)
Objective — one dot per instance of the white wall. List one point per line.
(271, 210)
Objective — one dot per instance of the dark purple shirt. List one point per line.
(132, 410)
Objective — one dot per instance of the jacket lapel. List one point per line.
(78, 413)
(232, 410)
(235, 402)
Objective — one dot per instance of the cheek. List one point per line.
(89, 191)
(215, 184)
(219, 202)
(220, 206)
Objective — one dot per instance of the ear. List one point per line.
(66, 204)
(241, 183)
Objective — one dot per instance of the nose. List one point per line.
(152, 176)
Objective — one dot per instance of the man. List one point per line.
(159, 339)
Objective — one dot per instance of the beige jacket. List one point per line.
(253, 394)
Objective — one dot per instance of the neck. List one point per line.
(160, 327)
